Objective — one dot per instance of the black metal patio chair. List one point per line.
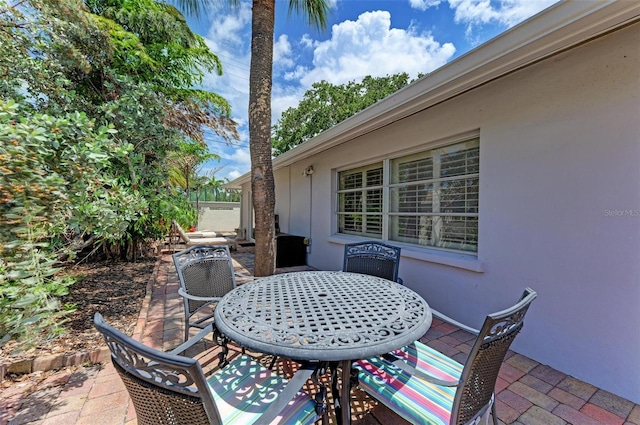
(373, 258)
(426, 387)
(206, 274)
(166, 388)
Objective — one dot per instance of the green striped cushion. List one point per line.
(244, 389)
(415, 399)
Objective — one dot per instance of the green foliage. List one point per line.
(210, 189)
(91, 107)
(61, 167)
(29, 285)
(153, 44)
(178, 57)
(55, 175)
(184, 162)
(182, 210)
(326, 105)
(316, 11)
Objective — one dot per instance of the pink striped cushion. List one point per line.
(415, 399)
(430, 361)
(244, 389)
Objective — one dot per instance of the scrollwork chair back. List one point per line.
(168, 389)
(164, 388)
(373, 258)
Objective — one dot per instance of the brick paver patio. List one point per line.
(528, 392)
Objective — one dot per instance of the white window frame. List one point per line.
(388, 186)
(363, 189)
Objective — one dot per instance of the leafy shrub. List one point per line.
(54, 176)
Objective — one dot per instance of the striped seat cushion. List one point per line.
(244, 389)
(415, 399)
(429, 361)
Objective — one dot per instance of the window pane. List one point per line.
(412, 198)
(412, 168)
(459, 196)
(350, 223)
(357, 178)
(350, 202)
(411, 229)
(359, 224)
(459, 233)
(350, 180)
(373, 225)
(374, 201)
(374, 177)
(360, 211)
(455, 233)
(459, 159)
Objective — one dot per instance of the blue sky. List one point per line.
(375, 37)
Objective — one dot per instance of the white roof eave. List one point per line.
(563, 25)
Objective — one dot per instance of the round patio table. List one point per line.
(324, 316)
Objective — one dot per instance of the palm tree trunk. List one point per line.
(262, 182)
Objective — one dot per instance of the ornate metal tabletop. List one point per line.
(324, 316)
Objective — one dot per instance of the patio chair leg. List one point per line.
(321, 405)
(273, 362)
(494, 413)
(222, 341)
(335, 391)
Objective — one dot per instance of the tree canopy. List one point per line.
(326, 104)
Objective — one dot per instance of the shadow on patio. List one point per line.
(527, 392)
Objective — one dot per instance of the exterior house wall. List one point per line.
(559, 207)
(246, 212)
(293, 199)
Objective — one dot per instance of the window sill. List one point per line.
(459, 261)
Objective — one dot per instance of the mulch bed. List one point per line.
(115, 289)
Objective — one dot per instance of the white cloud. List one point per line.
(239, 155)
(234, 174)
(228, 24)
(284, 97)
(369, 46)
(423, 4)
(282, 52)
(307, 41)
(227, 37)
(235, 162)
(505, 12)
(298, 72)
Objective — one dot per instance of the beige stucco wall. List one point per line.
(559, 207)
(218, 216)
